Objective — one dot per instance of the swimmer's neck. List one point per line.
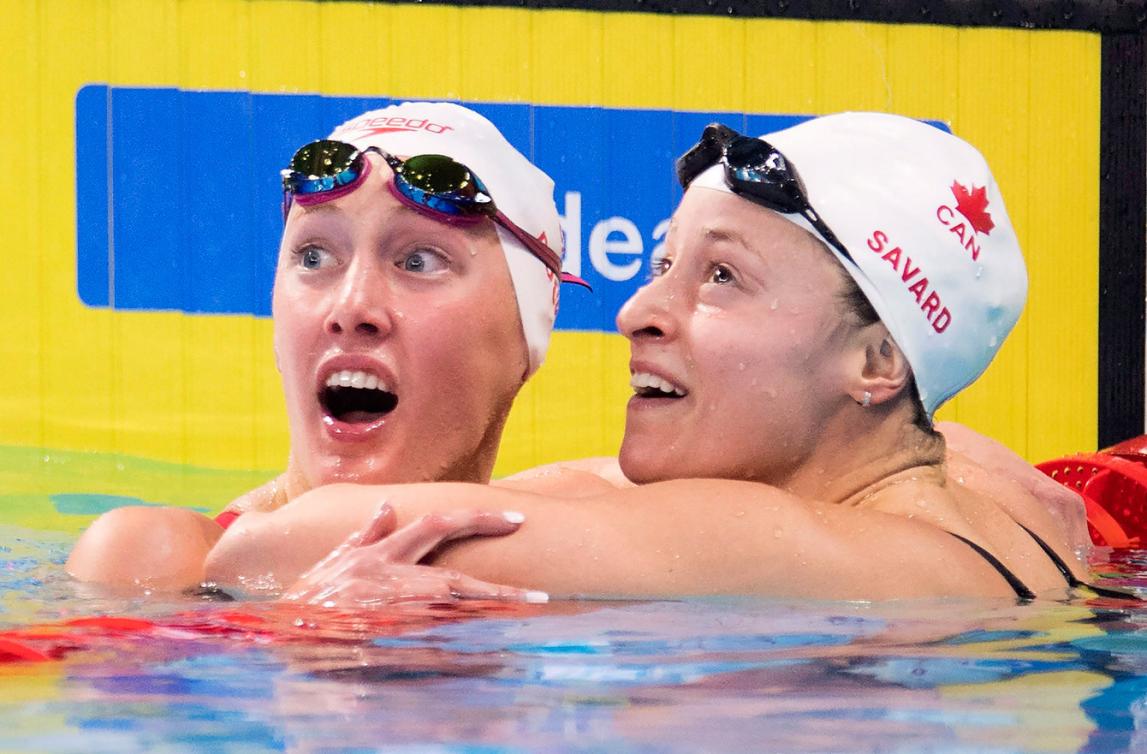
(861, 458)
(293, 482)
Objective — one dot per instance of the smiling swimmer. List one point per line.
(786, 359)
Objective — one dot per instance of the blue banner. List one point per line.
(178, 192)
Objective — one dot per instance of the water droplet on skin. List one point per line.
(741, 366)
(778, 533)
(960, 480)
(771, 392)
(774, 304)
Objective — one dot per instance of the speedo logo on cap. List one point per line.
(393, 124)
(968, 218)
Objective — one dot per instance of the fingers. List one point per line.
(379, 526)
(469, 588)
(378, 566)
(366, 588)
(413, 542)
(383, 523)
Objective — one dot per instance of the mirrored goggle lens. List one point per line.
(448, 181)
(322, 166)
(756, 168)
(704, 154)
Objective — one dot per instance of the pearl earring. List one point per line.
(867, 400)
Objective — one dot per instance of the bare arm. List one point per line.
(157, 548)
(146, 548)
(687, 537)
(378, 566)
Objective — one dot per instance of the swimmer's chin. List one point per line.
(638, 469)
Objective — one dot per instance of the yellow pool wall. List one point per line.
(202, 390)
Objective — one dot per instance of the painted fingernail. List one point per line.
(537, 598)
(513, 517)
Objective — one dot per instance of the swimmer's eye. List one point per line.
(423, 261)
(721, 275)
(312, 257)
(658, 266)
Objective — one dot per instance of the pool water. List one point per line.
(662, 676)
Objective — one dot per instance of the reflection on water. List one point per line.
(713, 675)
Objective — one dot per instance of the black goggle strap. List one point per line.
(826, 233)
(768, 178)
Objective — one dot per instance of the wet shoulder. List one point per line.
(996, 519)
(266, 497)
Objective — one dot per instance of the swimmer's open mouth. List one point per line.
(356, 397)
(647, 385)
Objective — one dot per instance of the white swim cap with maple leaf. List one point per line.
(931, 243)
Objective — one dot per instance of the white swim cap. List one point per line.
(521, 191)
(931, 243)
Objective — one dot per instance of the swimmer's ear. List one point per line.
(884, 372)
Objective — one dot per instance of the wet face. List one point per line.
(737, 346)
(398, 340)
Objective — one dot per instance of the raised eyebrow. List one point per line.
(310, 210)
(722, 234)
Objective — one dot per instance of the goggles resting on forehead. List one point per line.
(757, 171)
(433, 184)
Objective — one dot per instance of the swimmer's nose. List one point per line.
(360, 303)
(646, 314)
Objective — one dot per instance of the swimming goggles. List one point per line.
(432, 183)
(757, 171)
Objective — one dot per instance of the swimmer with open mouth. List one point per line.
(415, 292)
(787, 358)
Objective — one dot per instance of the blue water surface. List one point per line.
(663, 676)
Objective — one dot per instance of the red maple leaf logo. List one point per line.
(973, 205)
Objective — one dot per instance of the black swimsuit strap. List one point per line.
(1020, 587)
(1071, 579)
(1054, 558)
(1022, 590)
